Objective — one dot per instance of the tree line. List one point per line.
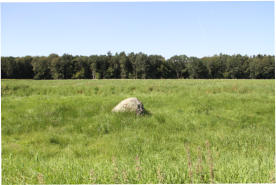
(138, 66)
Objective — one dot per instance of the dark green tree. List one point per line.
(197, 69)
(178, 65)
(41, 68)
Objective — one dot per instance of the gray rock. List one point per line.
(130, 105)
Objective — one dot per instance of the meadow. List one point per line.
(197, 131)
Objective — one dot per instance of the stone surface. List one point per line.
(130, 105)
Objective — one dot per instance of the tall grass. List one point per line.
(63, 131)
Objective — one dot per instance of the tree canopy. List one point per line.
(138, 66)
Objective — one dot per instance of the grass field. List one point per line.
(198, 131)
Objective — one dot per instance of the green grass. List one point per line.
(198, 131)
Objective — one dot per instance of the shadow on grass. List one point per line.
(146, 113)
(130, 113)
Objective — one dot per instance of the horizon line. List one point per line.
(127, 53)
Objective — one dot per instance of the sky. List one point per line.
(165, 28)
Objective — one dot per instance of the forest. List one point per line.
(138, 66)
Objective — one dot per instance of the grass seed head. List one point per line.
(92, 177)
(40, 178)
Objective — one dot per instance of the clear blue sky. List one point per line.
(166, 28)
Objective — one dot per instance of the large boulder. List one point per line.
(130, 105)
